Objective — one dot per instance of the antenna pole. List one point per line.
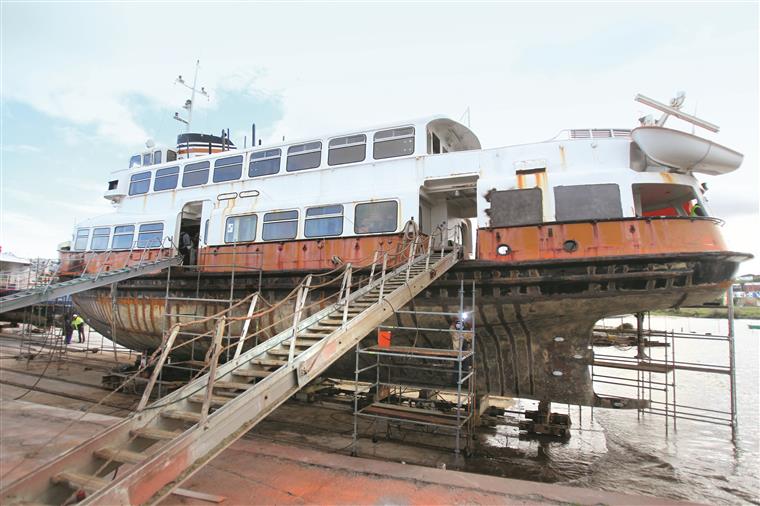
(190, 103)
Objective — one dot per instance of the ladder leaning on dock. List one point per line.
(83, 283)
(154, 450)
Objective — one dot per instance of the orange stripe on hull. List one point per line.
(600, 239)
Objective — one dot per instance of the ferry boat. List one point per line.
(556, 234)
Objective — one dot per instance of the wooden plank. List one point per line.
(183, 492)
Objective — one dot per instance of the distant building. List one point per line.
(747, 290)
(15, 272)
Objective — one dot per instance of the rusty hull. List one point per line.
(556, 281)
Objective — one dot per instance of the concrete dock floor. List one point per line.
(298, 455)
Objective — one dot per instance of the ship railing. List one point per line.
(345, 278)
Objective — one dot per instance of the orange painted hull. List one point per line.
(626, 237)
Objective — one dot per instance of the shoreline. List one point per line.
(740, 313)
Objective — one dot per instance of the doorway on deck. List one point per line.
(451, 200)
(190, 232)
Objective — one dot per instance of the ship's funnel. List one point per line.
(194, 144)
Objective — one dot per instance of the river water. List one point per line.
(618, 450)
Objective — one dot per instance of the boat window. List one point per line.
(657, 199)
(166, 179)
(139, 183)
(324, 221)
(280, 225)
(100, 238)
(394, 142)
(374, 217)
(83, 234)
(171, 155)
(515, 207)
(228, 169)
(150, 236)
(135, 161)
(587, 202)
(205, 232)
(304, 156)
(195, 174)
(147, 159)
(264, 163)
(122, 237)
(241, 228)
(156, 157)
(347, 150)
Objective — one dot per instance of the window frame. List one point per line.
(133, 182)
(160, 176)
(193, 170)
(238, 217)
(294, 154)
(116, 234)
(96, 235)
(264, 224)
(346, 145)
(331, 216)
(252, 159)
(140, 232)
(224, 166)
(135, 161)
(376, 141)
(78, 236)
(356, 207)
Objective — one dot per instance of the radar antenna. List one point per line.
(674, 109)
(189, 103)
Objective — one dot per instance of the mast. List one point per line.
(189, 103)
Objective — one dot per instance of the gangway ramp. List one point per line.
(143, 458)
(82, 283)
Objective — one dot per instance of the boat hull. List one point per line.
(521, 310)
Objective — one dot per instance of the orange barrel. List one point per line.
(383, 338)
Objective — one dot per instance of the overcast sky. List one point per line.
(84, 85)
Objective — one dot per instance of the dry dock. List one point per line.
(278, 463)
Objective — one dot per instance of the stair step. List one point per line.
(79, 480)
(120, 455)
(251, 373)
(154, 434)
(216, 400)
(268, 362)
(177, 414)
(233, 385)
(279, 352)
(313, 336)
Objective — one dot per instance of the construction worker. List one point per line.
(78, 324)
(696, 210)
(68, 328)
(459, 335)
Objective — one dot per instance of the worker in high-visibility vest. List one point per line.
(78, 324)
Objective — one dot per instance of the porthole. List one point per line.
(570, 246)
(503, 250)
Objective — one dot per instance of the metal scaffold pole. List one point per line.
(732, 359)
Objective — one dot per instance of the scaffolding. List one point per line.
(446, 400)
(650, 367)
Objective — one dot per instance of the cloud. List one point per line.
(19, 148)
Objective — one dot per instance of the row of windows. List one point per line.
(154, 158)
(323, 221)
(149, 235)
(343, 150)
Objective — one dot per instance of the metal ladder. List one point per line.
(83, 283)
(163, 443)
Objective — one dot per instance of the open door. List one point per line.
(450, 200)
(189, 233)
